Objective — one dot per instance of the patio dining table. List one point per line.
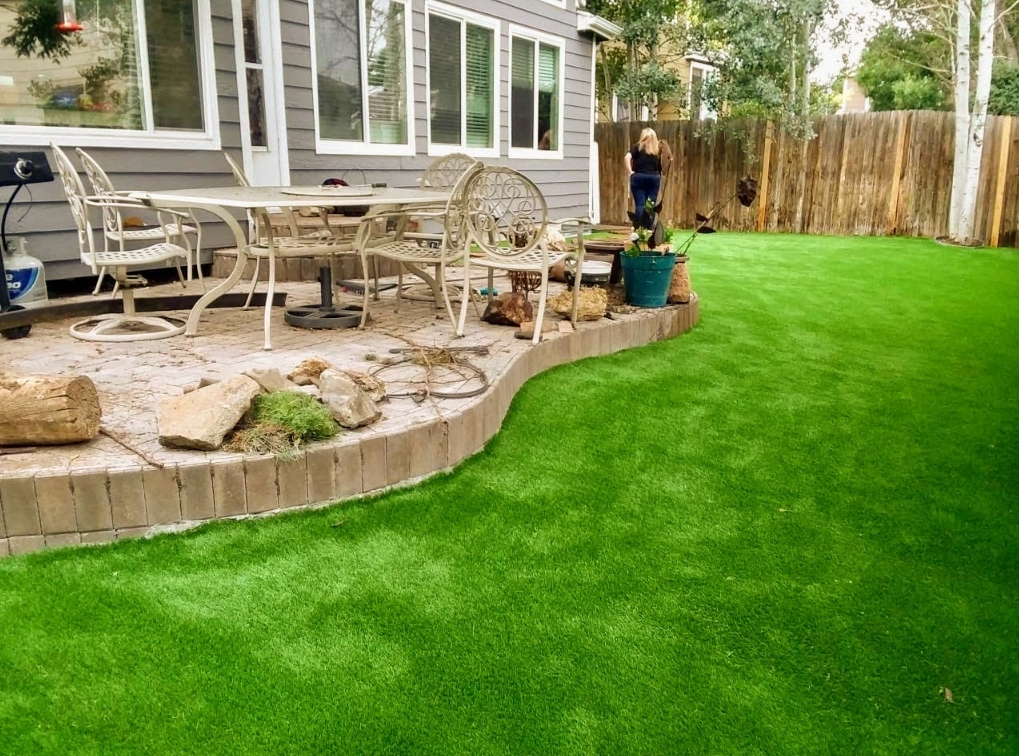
(225, 202)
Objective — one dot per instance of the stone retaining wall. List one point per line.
(98, 507)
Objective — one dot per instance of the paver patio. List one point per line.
(105, 489)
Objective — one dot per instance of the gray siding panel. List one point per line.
(48, 225)
(565, 182)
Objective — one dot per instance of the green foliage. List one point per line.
(896, 71)
(34, 34)
(1004, 98)
(306, 418)
(635, 72)
(918, 93)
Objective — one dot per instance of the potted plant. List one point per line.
(647, 264)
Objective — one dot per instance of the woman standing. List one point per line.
(644, 166)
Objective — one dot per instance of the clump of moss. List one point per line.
(305, 417)
(281, 422)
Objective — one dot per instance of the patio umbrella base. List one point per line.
(348, 316)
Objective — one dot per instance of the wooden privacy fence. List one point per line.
(868, 174)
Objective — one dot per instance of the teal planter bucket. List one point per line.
(646, 278)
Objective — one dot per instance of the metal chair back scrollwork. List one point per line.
(507, 219)
(444, 172)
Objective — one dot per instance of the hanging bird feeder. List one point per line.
(69, 23)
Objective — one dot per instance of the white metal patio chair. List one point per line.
(287, 239)
(267, 244)
(506, 219)
(129, 325)
(411, 249)
(114, 227)
(444, 172)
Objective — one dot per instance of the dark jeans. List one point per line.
(645, 187)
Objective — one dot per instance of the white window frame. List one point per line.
(454, 13)
(645, 111)
(706, 70)
(366, 146)
(151, 138)
(522, 32)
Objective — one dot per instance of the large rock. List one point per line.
(308, 371)
(509, 309)
(201, 418)
(592, 302)
(375, 388)
(270, 379)
(350, 404)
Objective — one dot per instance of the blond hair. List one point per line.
(648, 142)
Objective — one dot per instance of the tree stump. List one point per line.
(43, 410)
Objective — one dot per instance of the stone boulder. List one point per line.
(375, 388)
(200, 419)
(308, 371)
(592, 302)
(270, 379)
(509, 309)
(351, 405)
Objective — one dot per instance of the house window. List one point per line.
(698, 73)
(536, 93)
(136, 66)
(462, 55)
(362, 87)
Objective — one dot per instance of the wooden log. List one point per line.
(38, 410)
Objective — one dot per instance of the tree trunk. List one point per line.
(985, 56)
(40, 410)
(805, 94)
(962, 117)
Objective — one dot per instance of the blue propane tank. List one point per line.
(26, 278)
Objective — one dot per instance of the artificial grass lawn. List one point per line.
(785, 532)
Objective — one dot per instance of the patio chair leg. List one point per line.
(467, 294)
(491, 284)
(576, 290)
(268, 298)
(440, 276)
(541, 306)
(99, 281)
(364, 305)
(254, 283)
(399, 287)
(439, 282)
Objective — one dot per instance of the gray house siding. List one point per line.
(564, 182)
(48, 225)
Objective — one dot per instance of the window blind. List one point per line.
(522, 95)
(479, 80)
(445, 80)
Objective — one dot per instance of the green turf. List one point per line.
(783, 533)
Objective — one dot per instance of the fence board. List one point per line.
(864, 174)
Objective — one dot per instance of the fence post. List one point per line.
(762, 198)
(999, 192)
(900, 148)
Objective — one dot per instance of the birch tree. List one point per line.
(952, 21)
(975, 144)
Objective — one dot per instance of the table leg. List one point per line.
(235, 275)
